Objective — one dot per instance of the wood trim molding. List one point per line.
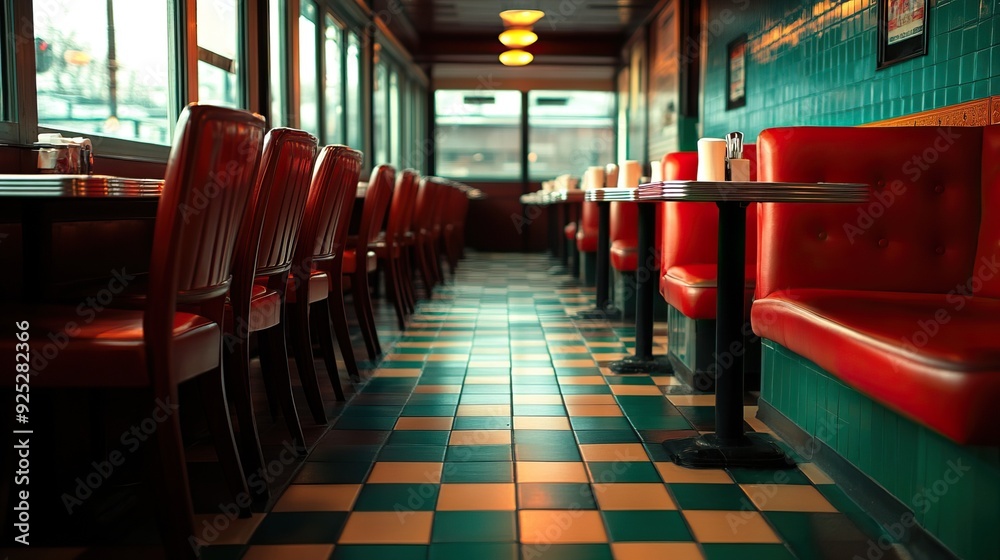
(979, 112)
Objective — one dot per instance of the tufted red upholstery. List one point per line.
(689, 245)
(872, 292)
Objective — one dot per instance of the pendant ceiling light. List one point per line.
(516, 57)
(521, 18)
(517, 38)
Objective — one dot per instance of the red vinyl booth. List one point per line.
(689, 247)
(898, 298)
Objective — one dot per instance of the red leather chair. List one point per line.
(260, 271)
(315, 292)
(391, 245)
(454, 225)
(429, 193)
(178, 336)
(689, 247)
(360, 261)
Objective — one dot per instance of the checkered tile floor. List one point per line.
(493, 430)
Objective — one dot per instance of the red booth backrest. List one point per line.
(691, 229)
(988, 250)
(918, 234)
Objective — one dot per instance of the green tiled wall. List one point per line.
(812, 62)
(905, 458)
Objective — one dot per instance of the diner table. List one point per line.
(39, 202)
(728, 446)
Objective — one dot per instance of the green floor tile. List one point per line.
(366, 423)
(717, 551)
(419, 437)
(333, 473)
(607, 436)
(657, 452)
(397, 497)
(370, 411)
(433, 399)
(728, 497)
(658, 422)
(477, 471)
(471, 551)
(767, 476)
(311, 527)
(441, 380)
(555, 438)
(566, 552)
(402, 364)
(477, 389)
(412, 453)
(539, 410)
(629, 380)
(555, 496)
(482, 423)
(474, 526)
(429, 410)
(535, 388)
(577, 371)
(489, 398)
(600, 423)
(379, 551)
(811, 535)
(622, 471)
(646, 526)
(585, 389)
(490, 453)
(545, 452)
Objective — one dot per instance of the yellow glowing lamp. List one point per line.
(521, 18)
(517, 38)
(516, 57)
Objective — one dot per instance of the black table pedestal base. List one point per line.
(609, 313)
(708, 452)
(647, 364)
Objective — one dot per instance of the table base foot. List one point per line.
(707, 452)
(649, 364)
(610, 313)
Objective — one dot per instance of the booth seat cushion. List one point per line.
(319, 287)
(692, 289)
(586, 240)
(624, 255)
(586, 231)
(932, 357)
(570, 231)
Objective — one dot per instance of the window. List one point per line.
(478, 134)
(380, 114)
(352, 99)
(102, 68)
(308, 67)
(218, 53)
(278, 68)
(569, 131)
(333, 85)
(396, 120)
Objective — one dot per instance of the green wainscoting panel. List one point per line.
(953, 490)
(812, 62)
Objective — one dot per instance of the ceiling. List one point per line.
(572, 31)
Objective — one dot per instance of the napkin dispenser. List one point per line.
(66, 156)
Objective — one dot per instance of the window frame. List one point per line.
(520, 174)
(342, 30)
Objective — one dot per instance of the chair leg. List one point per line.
(276, 374)
(320, 318)
(392, 277)
(217, 412)
(425, 270)
(298, 315)
(175, 514)
(411, 303)
(237, 375)
(338, 315)
(366, 316)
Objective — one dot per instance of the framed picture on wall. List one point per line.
(902, 30)
(736, 73)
